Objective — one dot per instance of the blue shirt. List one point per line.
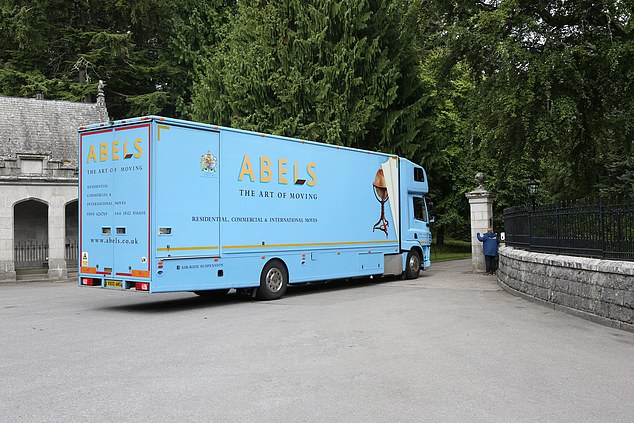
(490, 243)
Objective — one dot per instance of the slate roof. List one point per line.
(29, 125)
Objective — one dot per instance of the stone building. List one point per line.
(38, 184)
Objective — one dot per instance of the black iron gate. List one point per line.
(71, 253)
(31, 254)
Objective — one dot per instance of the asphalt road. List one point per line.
(448, 347)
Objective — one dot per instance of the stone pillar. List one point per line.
(102, 110)
(56, 240)
(481, 204)
(7, 264)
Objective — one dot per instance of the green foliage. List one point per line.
(62, 48)
(549, 97)
(516, 89)
(452, 159)
(341, 72)
(554, 86)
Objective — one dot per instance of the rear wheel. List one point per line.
(273, 281)
(212, 293)
(412, 265)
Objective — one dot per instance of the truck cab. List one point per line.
(415, 233)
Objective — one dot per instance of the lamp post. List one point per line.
(532, 187)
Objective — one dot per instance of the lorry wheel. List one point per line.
(212, 293)
(273, 281)
(412, 266)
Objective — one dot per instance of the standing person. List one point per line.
(490, 243)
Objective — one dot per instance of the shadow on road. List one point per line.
(335, 285)
(156, 304)
(176, 304)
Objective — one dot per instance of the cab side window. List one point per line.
(419, 176)
(420, 211)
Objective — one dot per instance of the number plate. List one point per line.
(113, 284)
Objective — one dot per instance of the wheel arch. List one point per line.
(281, 260)
(416, 248)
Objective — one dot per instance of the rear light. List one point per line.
(90, 281)
(142, 286)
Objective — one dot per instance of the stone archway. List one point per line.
(71, 233)
(30, 234)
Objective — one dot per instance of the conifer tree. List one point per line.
(337, 71)
(64, 47)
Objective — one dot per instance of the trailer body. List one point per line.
(168, 205)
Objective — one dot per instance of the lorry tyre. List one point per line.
(212, 293)
(412, 265)
(273, 281)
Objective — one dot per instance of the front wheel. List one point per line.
(273, 281)
(412, 265)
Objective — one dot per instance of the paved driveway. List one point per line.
(449, 346)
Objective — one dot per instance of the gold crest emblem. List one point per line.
(208, 162)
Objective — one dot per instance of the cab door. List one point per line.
(418, 219)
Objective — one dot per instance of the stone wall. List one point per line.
(56, 195)
(598, 290)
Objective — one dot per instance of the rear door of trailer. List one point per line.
(115, 204)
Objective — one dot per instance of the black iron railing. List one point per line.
(598, 228)
(30, 254)
(70, 253)
(33, 254)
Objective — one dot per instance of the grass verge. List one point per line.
(451, 250)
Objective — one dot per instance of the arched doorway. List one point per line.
(30, 235)
(71, 219)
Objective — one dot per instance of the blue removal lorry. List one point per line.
(169, 205)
